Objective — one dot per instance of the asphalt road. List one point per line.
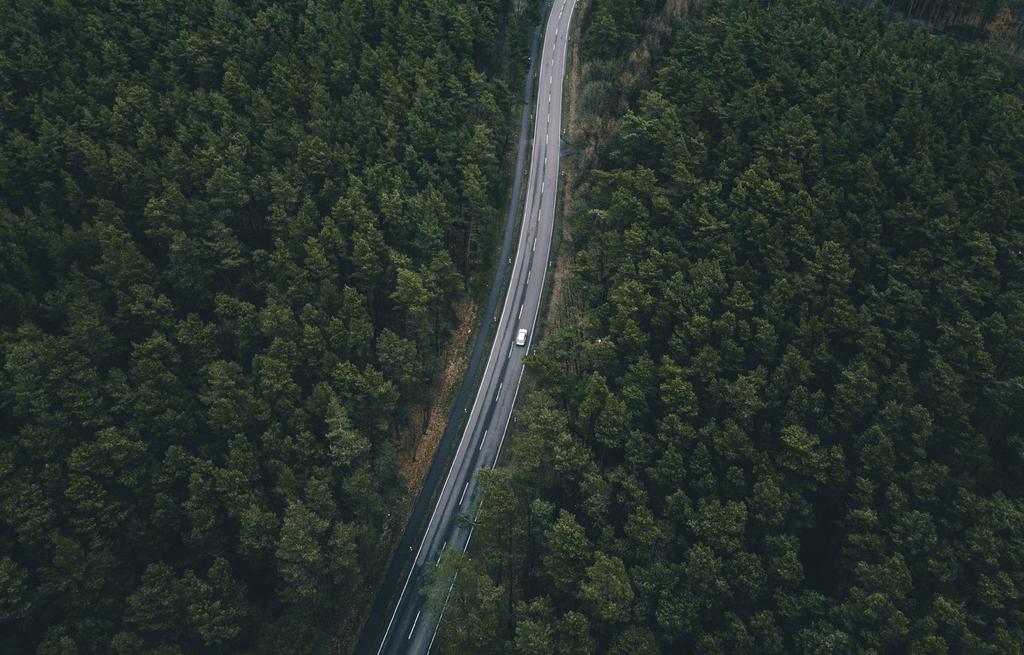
(411, 628)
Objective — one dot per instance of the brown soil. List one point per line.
(589, 127)
(570, 174)
(415, 461)
(415, 458)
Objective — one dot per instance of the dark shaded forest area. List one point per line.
(1002, 19)
(231, 234)
(789, 416)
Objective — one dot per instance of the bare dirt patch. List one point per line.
(596, 97)
(420, 439)
(415, 461)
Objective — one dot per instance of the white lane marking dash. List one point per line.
(534, 249)
(414, 622)
(554, 50)
(520, 312)
(463, 496)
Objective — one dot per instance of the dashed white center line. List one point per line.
(547, 140)
(414, 622)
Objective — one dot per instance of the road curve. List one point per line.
(411, 627)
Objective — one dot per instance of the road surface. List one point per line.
(410, 627)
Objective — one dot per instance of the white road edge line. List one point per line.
(469, 422)
(443, 607)
(504, 432)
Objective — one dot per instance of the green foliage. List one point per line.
(231, 236)
(475, 599)
(615, 24)
(795, 425)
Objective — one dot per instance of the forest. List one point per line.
(231, 234)
(787, 418)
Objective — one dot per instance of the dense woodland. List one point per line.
(231, 234)
(789, 416)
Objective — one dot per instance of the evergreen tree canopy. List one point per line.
(789, 419)
(231, 235)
